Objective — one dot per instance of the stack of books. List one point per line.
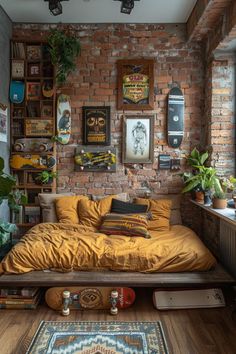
(20, 298)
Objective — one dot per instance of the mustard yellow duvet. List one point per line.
(67, 247)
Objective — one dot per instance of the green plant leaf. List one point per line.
(190, 186)
(204, 157)
(1, 164)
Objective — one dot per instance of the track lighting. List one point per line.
(126, 6)
(55, 6)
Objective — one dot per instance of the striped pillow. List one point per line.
(127, 225)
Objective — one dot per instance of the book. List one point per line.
(27, 292)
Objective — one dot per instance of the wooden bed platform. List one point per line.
(216, 277)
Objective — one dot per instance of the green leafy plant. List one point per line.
(196, 158)
(63, 48)
(14, 198)
(45, 177)
(219, 195)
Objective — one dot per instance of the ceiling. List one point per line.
(99, 11)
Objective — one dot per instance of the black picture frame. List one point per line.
(96, 125)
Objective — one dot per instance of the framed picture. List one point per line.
(33, 109)
(17, 69)
(33, 90)
(164, 162)
(96, 126)
(135, 84)
(138, 139)
(3, 122)
(36, 127)
(33, 52)
(34, 69)
(47, 110)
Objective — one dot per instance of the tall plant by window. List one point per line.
(64, 47)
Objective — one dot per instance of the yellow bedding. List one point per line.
(67, 247)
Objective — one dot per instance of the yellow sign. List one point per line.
(135, 87)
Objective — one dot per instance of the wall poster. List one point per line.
(3, 123)
(96, 125)
(135, 84)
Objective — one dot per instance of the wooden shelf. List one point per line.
(20, 113)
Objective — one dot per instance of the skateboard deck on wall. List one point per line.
(63, 119)
(17, 91)
(33, 145)
(95, 159)
(83, 298)
(32, 161)
(175, 121)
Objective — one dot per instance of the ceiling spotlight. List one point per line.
(55, 6)
(126, 6)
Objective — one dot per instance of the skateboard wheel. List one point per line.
(43, 147)
(114, 311)
(66, 294)
(19, 147)
(65, 312)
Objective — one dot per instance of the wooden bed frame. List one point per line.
(215, 277)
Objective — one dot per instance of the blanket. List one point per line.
(68, 247)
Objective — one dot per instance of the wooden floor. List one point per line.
(201, 331)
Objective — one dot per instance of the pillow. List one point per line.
(120, 196)
(67, 208)
(91, 212)
(175, 216)
(160, 210)
(128, 225)
(117, 206)
(46, 202)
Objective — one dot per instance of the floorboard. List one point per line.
(199, 331)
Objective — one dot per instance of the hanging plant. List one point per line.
(64, 48)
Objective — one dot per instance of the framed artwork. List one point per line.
(3, 122)
(33, 90)
(47, 110)
(33, 52)
(17, 69)
(96, 126)
(33, 109)
(138, 139)
(164, 162)
(34, 69)
(36, 127)
(135, 84)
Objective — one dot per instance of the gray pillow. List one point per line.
(46, 202)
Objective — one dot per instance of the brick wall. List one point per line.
(220, 110)
(95, 83)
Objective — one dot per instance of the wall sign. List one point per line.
(36, 127)
(164, 162)
(135, 84)
(138, 139)
(96, 126)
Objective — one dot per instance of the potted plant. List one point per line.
(205, 180)
(219, 200)
(45, 177)
(14, 198)
(195, 159)
(64, 47)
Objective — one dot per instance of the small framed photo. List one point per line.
(17, 69)
(34, 69)
(33, 52)
(164, 162)
(135, 84)
(33, 90)
(138, 139)
(47, 110)
(96, 126)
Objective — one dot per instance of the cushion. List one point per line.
(120, 196)
(120, 207)
(91, 212)
(46, 202)
(175, 216)
(128, 225)
(160, 209)
(67, 208)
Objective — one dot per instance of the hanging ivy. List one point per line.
(64, 48)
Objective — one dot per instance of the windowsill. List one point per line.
(227, 214)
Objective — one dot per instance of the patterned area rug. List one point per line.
(99, 338)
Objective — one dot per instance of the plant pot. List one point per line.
(207, 197)
(199, 197)
(219, 203)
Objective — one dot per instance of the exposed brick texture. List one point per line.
(95, 83)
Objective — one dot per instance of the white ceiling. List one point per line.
(99, 11)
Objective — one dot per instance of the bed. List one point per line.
(55, 254)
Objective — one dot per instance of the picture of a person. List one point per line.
(64, 122)
(139, 134)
